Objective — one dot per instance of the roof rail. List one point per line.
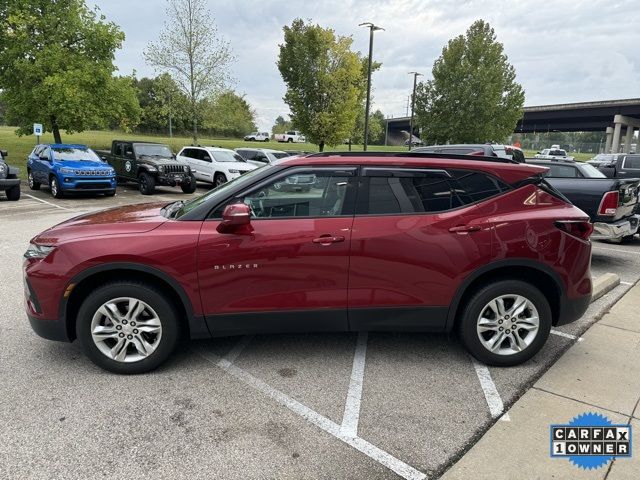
(414, 155)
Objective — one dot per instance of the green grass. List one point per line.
(20, 147)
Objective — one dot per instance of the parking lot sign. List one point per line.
(37, 129)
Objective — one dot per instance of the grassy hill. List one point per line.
(20, 147)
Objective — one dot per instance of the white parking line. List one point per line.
(49, 203)
(566, 335)
(235, 352)
(352, 406)
(398, 466)
(627, 283)
(496, 407)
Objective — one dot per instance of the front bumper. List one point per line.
(173, 179)
(89, 185)
(621, 228)
(49, 329)
(7, 183)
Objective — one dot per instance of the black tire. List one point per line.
(191, 186)
(33, 185)
(473, 308)
(289, 140)
(146, 184)
(266, 139)
(111, 193)
(219, 179)
(165, 311)
(54, 185)
(13, 193)
(627, 238)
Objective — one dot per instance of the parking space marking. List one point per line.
(354, 396)
(616, 250)
(627, 283)
(49, 203)
(384, 458)
(494, 401)
(566, 335)
(235, 352)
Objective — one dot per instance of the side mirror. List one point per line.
(234, 218)
(4, 153)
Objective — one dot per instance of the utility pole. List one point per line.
(413, 102)
(372, 28)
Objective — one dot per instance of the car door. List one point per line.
(414, 239)
(116, 159)
(289, 271)
(43, 161)
(186, 156)
(206, 165)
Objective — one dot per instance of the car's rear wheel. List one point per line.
(146, 184)
(505, 323)
(290, 140)
(191, 186)
(219, 179)
(127, 327)
(13, 193)
(33, 185)
(56, 191)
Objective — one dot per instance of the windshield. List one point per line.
(590, 171)
(196, 202)
(75, 154)
(222, 156)
(152, 150)
(280, 154)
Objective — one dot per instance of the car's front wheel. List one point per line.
(13, 193)
(33, 185)
(219, 179)
(127, 327)
(191, 186)
(505, 323)
(56, 191)
(146, 184)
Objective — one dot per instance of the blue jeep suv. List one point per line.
(68, 168)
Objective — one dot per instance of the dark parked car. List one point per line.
(618, 165)
(9, 181)
(610, 203)
(401, 242)
(149, 164)
(481, 149)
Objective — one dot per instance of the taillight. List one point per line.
(578, 228)
(609, 204)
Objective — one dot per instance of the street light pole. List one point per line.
(372, 28)
(413, 102)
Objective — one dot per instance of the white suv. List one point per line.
(214, 165)
(257, 137)
(261, 156)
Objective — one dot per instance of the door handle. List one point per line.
(328, 239)
(464, 228)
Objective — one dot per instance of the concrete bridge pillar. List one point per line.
(607, 146)
(617, 131)
(628, 138)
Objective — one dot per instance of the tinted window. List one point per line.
(589, 171)
(632, 161)
(407, 191)
(227, 156)
(248, 154)
(309, 193)
(562, 171)
(118, 150)
(153, 150)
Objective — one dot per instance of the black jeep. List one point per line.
(9, 181)
(148, 164)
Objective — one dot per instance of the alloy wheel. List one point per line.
(508, 324)
(54, 187)
(30, 179)
(126, 329)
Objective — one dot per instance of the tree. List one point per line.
(324, 79)
(56, 68)
(376, 128)
(281, 125)
(229, 115)
(473, 96)
(160, 98)
(190, 50)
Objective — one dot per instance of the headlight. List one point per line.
(161, 168)
(38, 251)
(231, 170)
(67, 171)
(2, 168)
(186, 168)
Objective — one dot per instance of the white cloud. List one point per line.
(563, 51)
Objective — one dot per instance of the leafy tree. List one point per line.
(160, 98)
(191, 51)
(229, 115)
(376, 128)
(281, 125)
(324, 79)
(473, 96)
(56, 68)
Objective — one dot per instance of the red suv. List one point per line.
(404, 242)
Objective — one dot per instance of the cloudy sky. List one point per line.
(563, 51)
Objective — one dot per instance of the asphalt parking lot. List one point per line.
(288, 406)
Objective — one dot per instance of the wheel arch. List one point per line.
(539, 275)
(87, 280)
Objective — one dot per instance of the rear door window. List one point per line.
(562, 171)
(632, 162)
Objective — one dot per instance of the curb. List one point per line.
(604, 284)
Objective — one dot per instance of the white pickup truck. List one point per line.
(290, 136)
(554, 153)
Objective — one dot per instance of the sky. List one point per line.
(562, 51)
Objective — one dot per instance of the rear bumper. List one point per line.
(615, 230)
(571, 309)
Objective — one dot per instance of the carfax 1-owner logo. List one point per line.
(590, 441)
